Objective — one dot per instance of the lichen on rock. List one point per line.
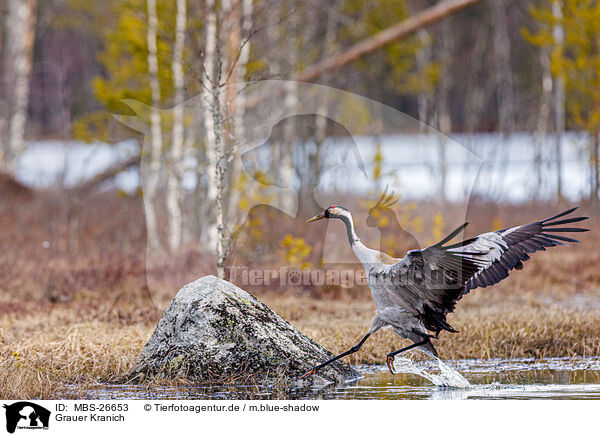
(214, 331)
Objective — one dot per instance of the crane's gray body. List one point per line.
(392, 306)
(414, 294)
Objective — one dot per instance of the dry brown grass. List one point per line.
(509, 330)
(60, 354)
(51, 354)
(80, 311)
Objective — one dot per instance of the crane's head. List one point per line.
(333, 211)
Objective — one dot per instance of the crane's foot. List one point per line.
(309, 374)
(390, 364)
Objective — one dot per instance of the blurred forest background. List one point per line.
(495, 66)
(504, 78)
(507, 79)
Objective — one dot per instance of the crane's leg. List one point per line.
(339, 356)
(376, 324)
(390, 356)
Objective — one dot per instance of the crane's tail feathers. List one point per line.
(435, 320)
(429, 349)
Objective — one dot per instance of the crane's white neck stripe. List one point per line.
(347, 219)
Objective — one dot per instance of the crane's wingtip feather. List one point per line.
(566, 212)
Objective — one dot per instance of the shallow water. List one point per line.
(555, 378)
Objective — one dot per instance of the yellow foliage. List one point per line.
(417, 225)
(384, 221)
(296, 251)
(577, 59)
(395, 64)
(377, 162)
(251, 194)
(497, 224)
(17, 359)
(404, 218)
(437, 228)
(354, 112)
(124, 58)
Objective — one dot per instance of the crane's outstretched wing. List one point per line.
(429, 282)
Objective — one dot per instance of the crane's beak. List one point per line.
(316, 217)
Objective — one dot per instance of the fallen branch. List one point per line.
(377, 41)
(87, 186)
(387, 36)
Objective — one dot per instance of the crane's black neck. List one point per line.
(349, 228)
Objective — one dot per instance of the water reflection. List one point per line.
(557, 378)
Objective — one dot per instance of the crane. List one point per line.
(415, 293)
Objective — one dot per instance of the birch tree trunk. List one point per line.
(286, 168)
(209, 127)
(423, 58)
(290, 102)
(595, 163)
(273, 59)
(176, 170)
(220, 171)
(3, 89)
(219, 67)
(559, 100)
(18, 52)
(475, 98)
(502, 66)
(544, 114)
(215, 141)
(239, 109)
(329, 45)
(156, 145)
(443, 111)
(282, 57)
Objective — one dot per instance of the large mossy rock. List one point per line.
(214, 331)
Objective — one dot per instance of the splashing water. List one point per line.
(521, 378)
(447, 377)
